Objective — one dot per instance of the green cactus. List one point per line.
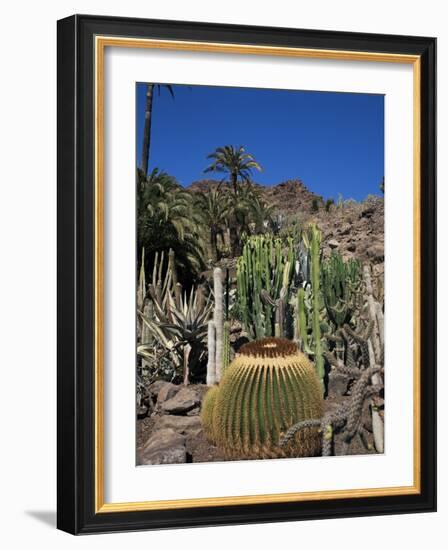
(207, 409)
(264, 275)
(312, 239)
(302, 321)
(269, 387)
(225, 346)
(340, 285)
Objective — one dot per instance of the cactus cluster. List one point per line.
(341, 282)
(264, 274)
(269, 387)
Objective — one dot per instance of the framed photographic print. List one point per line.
(246, 274)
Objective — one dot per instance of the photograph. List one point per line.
(260, 265)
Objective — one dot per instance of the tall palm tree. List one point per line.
(167, 219)
(260, 213)
(234, 161)
(148, 116)
(213, 209)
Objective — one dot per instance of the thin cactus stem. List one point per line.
(314, 243)
(218, 320)
(141, 290)
(372, 311)
(211, 346)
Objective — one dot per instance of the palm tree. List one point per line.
(213, 209)
(166, 219)
(234, 161)
(260, 212)
(148, 116)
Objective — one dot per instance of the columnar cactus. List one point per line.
(268, 387)
(264, 275)
(313, 239)
(211, 349)
(218, 320)
(301, 321)
(341, 283)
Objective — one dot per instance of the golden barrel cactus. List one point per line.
(207, 409)
(269, 387)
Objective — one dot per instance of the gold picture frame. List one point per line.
(98, 36)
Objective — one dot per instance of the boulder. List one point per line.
(181, 424)
(183, 401)
(155, 388)
(142, 411)
(167, 391)
(376, 253)
(165, 446)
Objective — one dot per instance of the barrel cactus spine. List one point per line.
(269, 387)
(207, 409)
(226, 346)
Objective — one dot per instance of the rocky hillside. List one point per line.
(356, 229)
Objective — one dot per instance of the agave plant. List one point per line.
(178, 321)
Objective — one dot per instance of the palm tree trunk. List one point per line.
(234, 237)
(213, 244)
(147, 128)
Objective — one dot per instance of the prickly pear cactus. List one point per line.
(269, 387)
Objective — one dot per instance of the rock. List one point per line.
(351, 247)
(367, 212)
(166, 392)
(163, 447)
(345, 229)
(142, 412)
(185, 400)
(180, 424)
(155, 388)
(376, 253)
(333, 243)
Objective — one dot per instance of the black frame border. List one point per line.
(76, 262)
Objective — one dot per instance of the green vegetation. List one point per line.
(220, 268)
(264, 274)
(166, 219)
(268, 387)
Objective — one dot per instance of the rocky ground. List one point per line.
(169, 430)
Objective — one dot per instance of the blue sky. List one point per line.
(333, 142)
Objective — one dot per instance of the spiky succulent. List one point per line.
(207, 408)
(269, 387)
